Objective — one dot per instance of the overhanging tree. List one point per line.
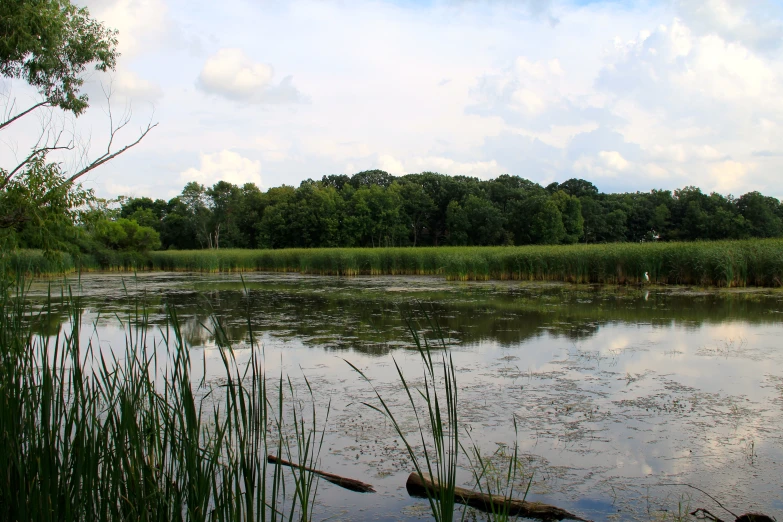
(49, 44)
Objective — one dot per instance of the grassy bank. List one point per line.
(718, 263)
(722, 263)
(29, 262)
(36, 262)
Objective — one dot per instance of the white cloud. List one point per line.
(131, 86)
(727, 176)
(479, 169)
(613, 160)
(336, 150)
(391, 165)
(272, 148)
(650, 95)
(745, 21)
(234, 75)
(140, 23)
(527, 87)
(225, 165)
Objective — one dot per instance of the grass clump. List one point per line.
(436, 420)
(90, 434)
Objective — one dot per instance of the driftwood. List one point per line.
(747, 517)
(347, 483)
(481, 501)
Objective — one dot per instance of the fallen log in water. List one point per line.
(347, 483)
(489, 504)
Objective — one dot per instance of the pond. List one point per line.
(616, 391)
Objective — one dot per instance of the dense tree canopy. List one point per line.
(374, 208)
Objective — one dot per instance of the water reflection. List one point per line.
(615, 391)
(367, 314)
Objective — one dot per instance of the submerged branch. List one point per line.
(488, 503)
(347, 483)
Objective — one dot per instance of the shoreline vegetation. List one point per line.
(138, 435)
(757, 262)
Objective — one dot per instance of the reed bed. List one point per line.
(85, 435)
(718, 263)
(28, 262)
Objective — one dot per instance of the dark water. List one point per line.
(615, 391)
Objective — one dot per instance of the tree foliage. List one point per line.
(49, 44)
(435, 209)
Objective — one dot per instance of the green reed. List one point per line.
(437, 422)
(717, 263)
(91, 434)
(497, 475)
(37, 262)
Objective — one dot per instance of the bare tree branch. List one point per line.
(108, 156)
(41, 150)
(31, 109)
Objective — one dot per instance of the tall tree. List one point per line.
(50, 44)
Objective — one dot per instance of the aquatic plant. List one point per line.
(497, 481)
(437, 423)
(716, 263)
(86, 434)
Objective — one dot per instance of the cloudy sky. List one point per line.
(629, 95)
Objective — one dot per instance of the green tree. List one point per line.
(144, 211)
(38, 211)
(594, 219)
(249, 213)
(50, 44)
(178, 229)
(457, 224)
(417, 207)
(538, 220)
(314, 216)
(368, 178)
(224, 200)
(578, 187)
(478, 220)
(198, 213)
(762, 214)
(273, 230)
(126, 234)
(571, 213)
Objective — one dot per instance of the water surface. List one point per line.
(615, 391)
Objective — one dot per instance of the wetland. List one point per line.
(616, 391)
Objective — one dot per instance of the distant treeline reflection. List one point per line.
(373, 321)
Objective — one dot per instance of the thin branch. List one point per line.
(110, 156)
(29, 158)
(31, 109)
(713, 498)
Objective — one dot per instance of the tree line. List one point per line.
(374, 208)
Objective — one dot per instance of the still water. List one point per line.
(616, 392)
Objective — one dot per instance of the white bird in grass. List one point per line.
(646, 278)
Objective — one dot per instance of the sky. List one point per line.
(631, 96)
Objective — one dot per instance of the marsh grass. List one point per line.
(91, 434)
(715, 263)
(436, 420)
(757, 262)
(497, 475)
(37, 262)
